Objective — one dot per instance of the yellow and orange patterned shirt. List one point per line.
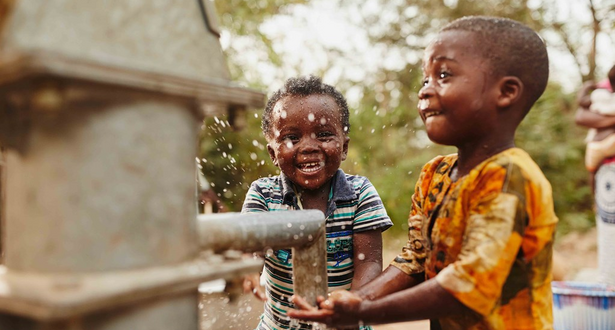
(487, 239)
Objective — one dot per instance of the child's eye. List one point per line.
(425, 81)
(324, 135)
(290, 138)
(444, 74)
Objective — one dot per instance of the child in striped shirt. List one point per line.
(306, 124)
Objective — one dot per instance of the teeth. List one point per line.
(311, 167)
(431, 114)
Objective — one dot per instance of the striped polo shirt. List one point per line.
(354, 206)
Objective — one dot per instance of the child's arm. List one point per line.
(367, 257)
(585, 117)
(590, 119)
(427, 300)
(370, 221)
(583, 96)
(392, 279)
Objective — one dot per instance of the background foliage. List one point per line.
(388, 143)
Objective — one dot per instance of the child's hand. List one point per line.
(252, 284)
(341, 309)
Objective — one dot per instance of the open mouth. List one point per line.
(432, 113)
(311, 167)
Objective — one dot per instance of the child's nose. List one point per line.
(308, 145)
(426, 91)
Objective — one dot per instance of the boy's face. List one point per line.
(307, 141)
(457, 100)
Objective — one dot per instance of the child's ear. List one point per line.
(510, 91)
(345, 148)
(271, 152)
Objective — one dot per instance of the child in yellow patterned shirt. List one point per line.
(482, 222)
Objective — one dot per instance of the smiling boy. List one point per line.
(306, 124)
(482, 222)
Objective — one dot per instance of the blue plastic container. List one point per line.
(583, 306)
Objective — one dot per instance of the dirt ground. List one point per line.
(573, 254)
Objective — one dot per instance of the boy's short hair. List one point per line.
(305, 86)
(513, 49)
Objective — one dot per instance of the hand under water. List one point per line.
(252, 284)
(340, 310)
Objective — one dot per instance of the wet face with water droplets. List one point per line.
(307, 141)
(457, 99)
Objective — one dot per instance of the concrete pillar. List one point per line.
(100, 104)
(101, 187)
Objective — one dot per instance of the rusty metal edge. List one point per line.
(23, 66)
(52, 297)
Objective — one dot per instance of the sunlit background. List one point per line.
(370, 50)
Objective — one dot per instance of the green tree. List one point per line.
(388, 141)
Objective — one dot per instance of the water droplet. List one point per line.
(283, 114)
(253, 156)
(307, 181)
(289, 225)
(323, 120)
(361, 256)
(311, 117)
(255, 143)
(296, 237)
(410, 172)
(373, 130)
(317, 279)
(289, 144)
(302, 227)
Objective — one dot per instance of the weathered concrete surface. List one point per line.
(103, 189)
(99, 110)
(164, 36)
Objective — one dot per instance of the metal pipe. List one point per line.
(304, 231)
(252, 232)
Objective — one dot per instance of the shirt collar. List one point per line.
(342, 189)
